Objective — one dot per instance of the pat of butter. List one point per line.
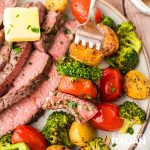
(21, 24)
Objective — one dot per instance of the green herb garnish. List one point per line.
(29, 26)
(130, 130)
(114, 145)
(16, 49)
(87, 108)
(17, 15)
(65, 16)
(35, 30)
(113, 89)
(9, 31)
(73, 105)
(67, 31)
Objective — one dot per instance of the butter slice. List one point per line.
(21, 24)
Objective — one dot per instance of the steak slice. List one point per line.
(4, 55)
(41, 8)
(63, 40)
(44, 43)
(2, 37)
(4, 4)
(28, 79)
(25, 110)
(53, 21)
(81, 109)
(14, 66)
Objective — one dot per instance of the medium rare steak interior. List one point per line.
(29, 78)
(26, 109)
(82, 110)
(63, 39)
(14, 65)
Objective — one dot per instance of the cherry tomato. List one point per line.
(80, 9)
(111, 85)
(79, 87)
(31, 136)
(107, 118)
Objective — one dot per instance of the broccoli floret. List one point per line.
(132, 114)
(69, 67)
(57, 127)
(18, 146)
(97, 144)
(127, 36)
(109, 22)
(125, 59)
(6, 139)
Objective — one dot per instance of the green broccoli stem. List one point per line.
(65, 138)
(126, 125)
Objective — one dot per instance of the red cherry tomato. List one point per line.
(80, 87)
(111, 85)
(80, 9)
(107, 118)
(31, 136)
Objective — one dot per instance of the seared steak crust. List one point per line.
(4, 55)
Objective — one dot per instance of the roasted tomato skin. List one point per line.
(111, 85)
(79, 87)
(31, 136)
(107, 118)
(80, 9)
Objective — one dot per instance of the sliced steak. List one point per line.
(25, 110)
(52, 23)
(63, 39)
(41, 8)
(29, 78)
(14, 66)
(2, 37)
(4, 55)
(44, 43)
(52, 20)
(81, 109)
(4, 4)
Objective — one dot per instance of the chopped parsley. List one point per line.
(87, 108)
(29, 26)
(17, 15)
(35, 30)
(113, 89)
(65, 16)
(130, 130)
(9, 31)
(15, 48)
(114, 145)
(73, 105)
(67, 31)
